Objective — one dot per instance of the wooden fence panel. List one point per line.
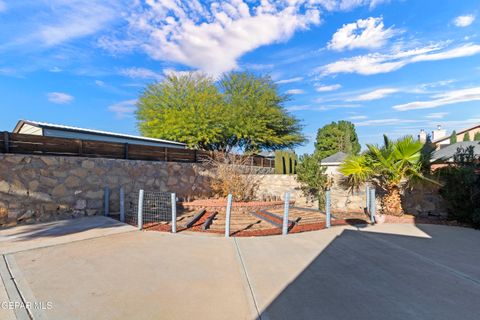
(33, 144)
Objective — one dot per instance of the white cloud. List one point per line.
(376, 63)
(59, 97)
(464, 21)
(437, 115)
(141, 73)
(450, 97)
(3, 6)
(299, 108)
(296, 79)
(364, 33)
(124, 108)
(73, 19)
(212, 37)
(384, 122)
(358, 117)
(332, 87)
(375, 94)
(295, 91)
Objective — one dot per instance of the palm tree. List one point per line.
(394, 166)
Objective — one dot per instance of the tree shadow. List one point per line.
(431, 274)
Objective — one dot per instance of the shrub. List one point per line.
(312, 178)
(461, 187)
(233, 174)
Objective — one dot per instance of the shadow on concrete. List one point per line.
(57, 228)
(433, 274)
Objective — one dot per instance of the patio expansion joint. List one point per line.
(13, 290)
(247, 279)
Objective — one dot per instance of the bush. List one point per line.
(461, 187)
(233, 174)
(312, 178)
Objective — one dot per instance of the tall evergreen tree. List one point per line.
(335, 137)
(477, 136)
(466, 137)
(453, 137)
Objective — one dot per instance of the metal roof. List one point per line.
(446, 154)
(91, 131)
(335, 158)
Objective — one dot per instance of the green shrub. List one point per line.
(461, 187)
(312, 178)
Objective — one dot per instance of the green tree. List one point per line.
(185, 108)
(312, 178)
(453, 137)
(466, 137)
(241, 111)
(395, 165)
(477, 136)
(335, 137)
(257, 119)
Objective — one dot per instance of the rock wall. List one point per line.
(422, 201)
(42, 188)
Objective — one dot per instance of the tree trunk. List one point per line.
(392, 202)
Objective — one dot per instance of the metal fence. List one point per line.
(156, 207)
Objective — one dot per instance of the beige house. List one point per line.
(441, 139)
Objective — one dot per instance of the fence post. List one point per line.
(285, 213)
(122, 204)
(6, 141)
(174, 213)
(106, 201)
(328, 208)
(373, 205)
(228, 213)
(367, 196)
(140, 210)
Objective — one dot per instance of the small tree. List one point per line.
(453, 137)
(477, 136)
(312, 178)
(466, 137)
(335, 137)
(393, 167)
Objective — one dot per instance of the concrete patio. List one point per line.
(389, 271)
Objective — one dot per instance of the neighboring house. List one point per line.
(441, 139)
(445, 155)
(333, 162)
(61, 131)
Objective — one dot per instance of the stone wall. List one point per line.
(42, 188)
(422, 201)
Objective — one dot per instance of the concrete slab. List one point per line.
(376, 272)
(138, 275)
(343, 273)
(27, 237)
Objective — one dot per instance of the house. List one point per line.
(61, 131)
(441, 139)
(333, 162)
(445, 155)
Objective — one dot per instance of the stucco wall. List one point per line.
(41, 188)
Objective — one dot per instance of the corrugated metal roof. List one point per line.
(446, 154)
(91, 131)
(334, 158)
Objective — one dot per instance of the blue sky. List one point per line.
(390, 67)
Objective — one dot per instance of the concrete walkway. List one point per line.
(380, 272)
